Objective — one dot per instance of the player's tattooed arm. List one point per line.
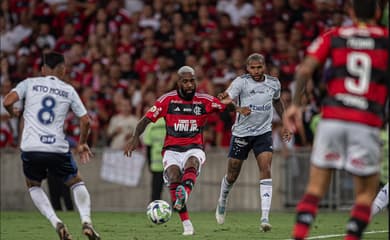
(134, 140)
(302, 76)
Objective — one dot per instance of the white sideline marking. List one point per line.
(342, 235)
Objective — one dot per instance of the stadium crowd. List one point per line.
(123, 54)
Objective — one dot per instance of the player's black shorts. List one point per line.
(240, 146)
(36, 165)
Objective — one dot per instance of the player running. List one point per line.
(47, 100)
(260, 92)
(348, 133)
(185, 112)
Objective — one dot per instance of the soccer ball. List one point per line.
(159, 211)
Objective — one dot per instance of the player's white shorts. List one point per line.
(346, 145)
(179, 158)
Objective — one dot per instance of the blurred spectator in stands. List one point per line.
(8, 125)
(164, 34)
(228, 32)
(100, 17)
(133, 6)
(203, 53)
(146, 64)
(93, 78)
(164, 75)
(220, 73)
(176, 20)
(8, 19)
(45, 38)
(128, 75)
(273, 10)
(121, 125)
(65, 42)
(11, 38)
(116, 15)
(237, 61)
(125, 43)
(239, 11)
(148, 19)
(296, 9)
(310, 27)
(191, 38)
(204, 83)
(189, 9)
(73, 15)
(23, 67)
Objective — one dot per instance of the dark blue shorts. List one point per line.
(36, 165)
(241, 146)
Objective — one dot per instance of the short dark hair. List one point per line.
(364, 10)
(53, 59)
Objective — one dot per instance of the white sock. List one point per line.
(41, 201)
(224, 192)
(381, 200)
(82, 201)
(266, 197)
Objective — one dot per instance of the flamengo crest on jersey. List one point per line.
(259, 97)
(357, 81)
(185, 120)
(46, 102)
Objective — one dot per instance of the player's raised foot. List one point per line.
(62, 232)
(188, 228)
(220, 214)
(265, 226)
(90, 232)
(181, 198)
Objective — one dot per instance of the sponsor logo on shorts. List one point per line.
(357, 163)
(333, 156)
(240, 142)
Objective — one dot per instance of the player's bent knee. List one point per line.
(173, 174)
(192, 162)
(31, 183)
(74, 180)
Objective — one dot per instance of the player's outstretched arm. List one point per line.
(134, 140)
(224, 98)
(292, 118)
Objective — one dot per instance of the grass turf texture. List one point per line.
(136, 226)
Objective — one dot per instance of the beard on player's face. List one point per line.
(186, 94)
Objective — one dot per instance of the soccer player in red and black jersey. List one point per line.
(185, 112)
(352, 114)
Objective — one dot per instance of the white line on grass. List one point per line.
(342, 235)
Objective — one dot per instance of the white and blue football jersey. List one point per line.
(46, 102)
(258, 96)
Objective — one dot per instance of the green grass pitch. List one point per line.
(136, 226)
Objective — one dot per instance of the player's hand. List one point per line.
(224, 98)
(292, 118)
(244, 110)
(16, 112)
(286, 134)
(131, 146)
(222, 95)
(84, 153)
